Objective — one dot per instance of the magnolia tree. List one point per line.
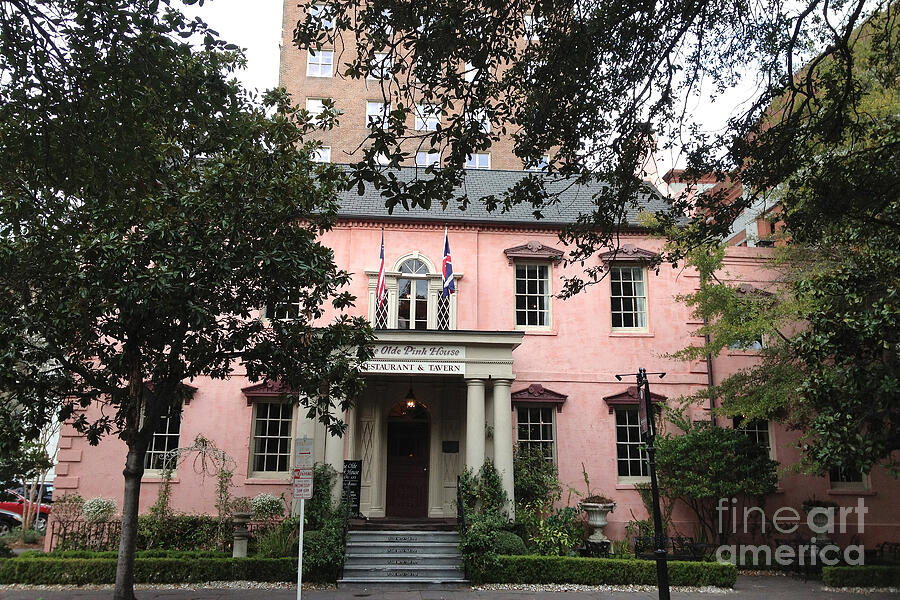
(149, 207)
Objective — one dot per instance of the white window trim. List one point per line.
(474, 159)
(317, 54)
(549, 325)
(251, 473)
(380, 67)
(392, 292)
(322, 155)
(553, 419)
(645, 275)
(315, 113)
(383, 116)
(423, 117)
(430, 158)
(316, 11)
(540, 167)
(158, 473)
(850, 486)
(624, 479)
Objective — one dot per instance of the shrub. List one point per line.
(559, 533)
(536, 478)
(601, 571)
(323, 554)
(319, 509)
(863, 576)
(507, 542)
(181, 532)
(266, 507)
(280, 540)
(98, 510)
(77, 571)
(5, 552)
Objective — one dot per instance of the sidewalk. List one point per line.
(747, 588)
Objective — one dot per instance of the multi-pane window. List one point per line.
(164, 440)
(380, 66)
(628, 297)
(757, 430)
(428, 117)
(319, 63)
(535, 430)
(377, 114)
(470, 72)
(412, 309)
(322, 155)
(315, 106)
(540, 165)
(479, 160)
(425, 159)
(631, 458)
(272, 437)
(532, 295)
(847, 478)
(531, 27)
(482, 118)
(284, 310)
(321, 16)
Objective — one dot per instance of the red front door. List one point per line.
(407, 470)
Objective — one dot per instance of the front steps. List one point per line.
(408, 557)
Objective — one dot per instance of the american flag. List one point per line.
(448, 286)
(379, 291)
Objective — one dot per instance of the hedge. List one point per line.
(863, 576)
(601, 571)
(80, 571)
(37, 554)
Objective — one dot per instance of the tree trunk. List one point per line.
(134, 470)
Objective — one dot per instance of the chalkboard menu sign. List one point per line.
(352, 482)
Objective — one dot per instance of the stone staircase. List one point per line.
(411, 557)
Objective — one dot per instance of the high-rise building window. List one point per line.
(322, 155)
(377, 114)
(479, 160)
(428, 117)
(319, 63)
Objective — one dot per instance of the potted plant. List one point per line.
(597, 507)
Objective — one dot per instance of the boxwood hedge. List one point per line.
(863, 576)
(601, 571)
(80, 571)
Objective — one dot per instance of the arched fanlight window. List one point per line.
(412, 287)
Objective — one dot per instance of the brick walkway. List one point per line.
(747, 588)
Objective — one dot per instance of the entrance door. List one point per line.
(407, 469)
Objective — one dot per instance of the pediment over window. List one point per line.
(266, 389)
(630, 398)
(748, 289)
(533, 250)
(628, 252)
(187, 389)
(538, 394)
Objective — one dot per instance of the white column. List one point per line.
(435, 473)
(503, 442)
(334, 454)
(474, 423)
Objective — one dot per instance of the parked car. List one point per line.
(12, 507)
(46, 493)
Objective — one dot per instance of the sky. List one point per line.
(255, 25)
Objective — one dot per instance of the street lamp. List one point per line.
(648, 430)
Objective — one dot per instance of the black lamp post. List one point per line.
(648, 430)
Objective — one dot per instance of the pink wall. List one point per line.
(579, 357)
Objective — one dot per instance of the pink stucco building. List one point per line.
(501, 362)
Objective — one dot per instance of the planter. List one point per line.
(597, 519)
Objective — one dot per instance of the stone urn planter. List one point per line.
(597, 509)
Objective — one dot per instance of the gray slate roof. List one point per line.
(573, 200)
